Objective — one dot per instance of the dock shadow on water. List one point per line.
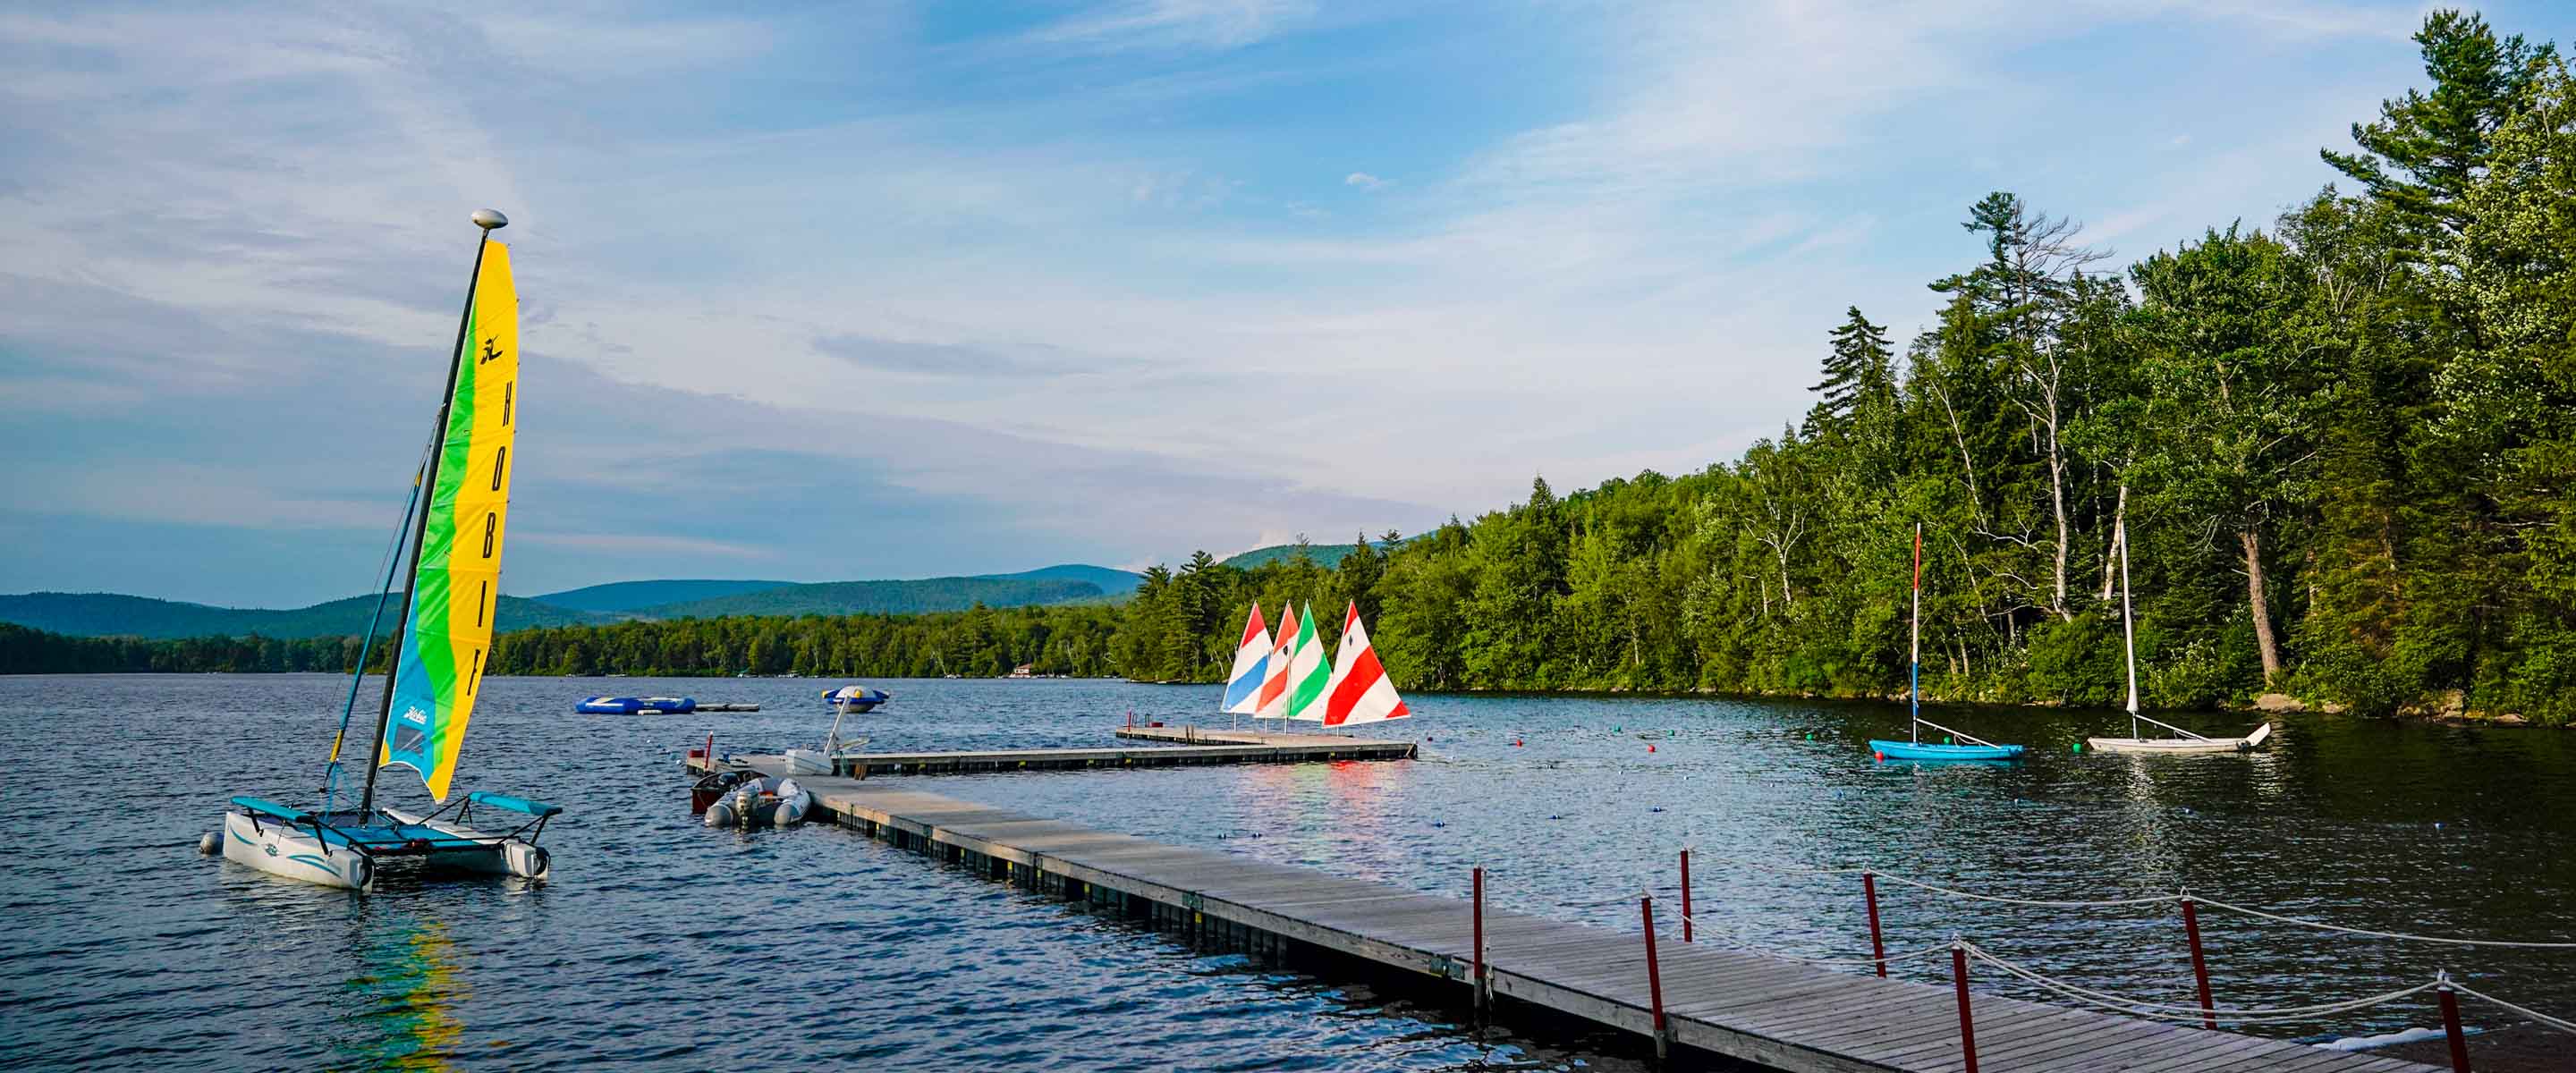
(661, 944)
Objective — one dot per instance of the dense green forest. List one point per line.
(2342, 445)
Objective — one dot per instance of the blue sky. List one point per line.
(838, 292)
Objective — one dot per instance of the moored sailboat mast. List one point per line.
(486, 220)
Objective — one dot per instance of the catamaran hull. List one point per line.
(507, 857)
(279, 850)
(1907, 750)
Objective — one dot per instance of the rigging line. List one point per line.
(2102, 903)
(2147, 1008)
(2382, 934)
(358, 676)
(2553, 1022)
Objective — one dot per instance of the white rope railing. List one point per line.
(1754, 946)
(2167, 1011)
(2399, 935)
(2096, 903)
(2153, 899)
(2560, 1024)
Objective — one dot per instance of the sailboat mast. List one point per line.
(2128, 627)
(486, 220)
(1914, 656)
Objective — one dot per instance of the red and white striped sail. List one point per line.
(1271, 702)
(1251, 657)
(1359, 691)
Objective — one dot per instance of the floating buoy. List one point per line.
(1650, 746)
(1655, 808)
(1516, 743)
(210, 842)
(1945, 740)
(1811, 735)
(1617, 730)
(1876, 755)
(2077, 747)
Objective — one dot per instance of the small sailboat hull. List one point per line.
(1908, 750)
(280, 850)
(2181, 746)
(496, 856)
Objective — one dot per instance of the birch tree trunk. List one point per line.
(2252, 539)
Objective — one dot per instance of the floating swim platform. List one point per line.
(637, 706)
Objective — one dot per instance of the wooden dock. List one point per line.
(1191, 746)
(1751, 1007)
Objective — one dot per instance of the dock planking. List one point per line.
(1750, 1007)
(1191, 746)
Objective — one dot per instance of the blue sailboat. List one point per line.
(1915, 748)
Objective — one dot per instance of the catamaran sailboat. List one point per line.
(459, 502)
(2184, 741)
(1915, 748)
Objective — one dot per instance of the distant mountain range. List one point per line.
(638, 595)
(1322, 554)
(106, 614)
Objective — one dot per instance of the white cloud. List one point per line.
(1171, 24)
(1641, 278)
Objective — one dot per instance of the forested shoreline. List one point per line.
(2342, 445)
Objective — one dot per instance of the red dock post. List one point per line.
(2451, 1026)
(1686, 902)
(2199, 965)
(1967, 1024)
(1877, 943)
(1483, 996)
(1654, 978)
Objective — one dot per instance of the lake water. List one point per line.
(661, 944)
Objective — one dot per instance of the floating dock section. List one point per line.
(1189, 746)
(1763, 1010)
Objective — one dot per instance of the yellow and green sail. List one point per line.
(447, 636)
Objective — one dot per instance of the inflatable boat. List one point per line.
(749, 801)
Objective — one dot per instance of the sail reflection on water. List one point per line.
(408, 987)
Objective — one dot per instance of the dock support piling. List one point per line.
(1877, 942)
(2199, 965)
(1484, 984)
(1967, 1024)
(1686, 899)
(1655, 980)
(2451, 1026)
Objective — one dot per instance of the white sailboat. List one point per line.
(455, 536)
(1242, 695)
(1359, 690)
(2183, 741)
